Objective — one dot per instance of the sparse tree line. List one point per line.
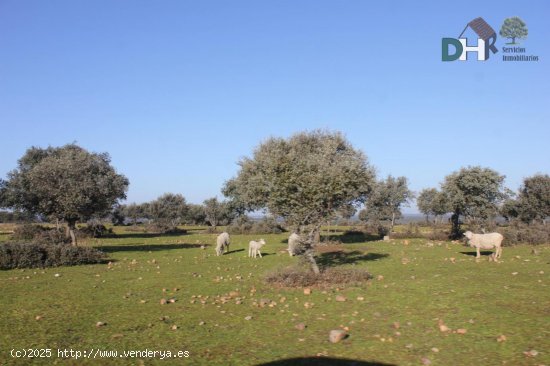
(305, 180)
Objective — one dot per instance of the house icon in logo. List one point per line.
(485, 42)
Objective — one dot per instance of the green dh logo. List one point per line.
(485, 43)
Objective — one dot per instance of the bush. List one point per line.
(33, 255)
(51, 236)
(27, 232)
(520, 233)
(439, 235)
(244, 225)
(300, 277)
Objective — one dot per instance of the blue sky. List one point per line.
(178, 91)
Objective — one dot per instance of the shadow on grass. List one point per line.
(481, 252)
(234, 251)
(349, 237)
(322, 361)
(336, 258)
(146, 247)
(139, 235)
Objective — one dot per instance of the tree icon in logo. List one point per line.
(513, 28)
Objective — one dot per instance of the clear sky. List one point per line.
(178, 91)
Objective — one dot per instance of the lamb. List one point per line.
(222, 243)
(293, 244)
(485, 241)
(254, 248)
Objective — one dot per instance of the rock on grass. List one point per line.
(336, 335)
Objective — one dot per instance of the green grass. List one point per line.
(420, 286)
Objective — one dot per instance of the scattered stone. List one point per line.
(386, 238)
(435, 350)
(174, 327)
(117, 336)
(360, 298)
(202, 323)
(444, 328)
(336, 335)
(461, 331)
(379, 277)
(100, 324)
(531, 353)
(163, 301)
(307, 291)
(38, 317)
(264, 302)
(406, 242)
(172, 301)
(514, 273)
(340, 298)
(57, 275)
(426, 361)
(300, 326)
(501, 338)
(396, 325)
(248, 318)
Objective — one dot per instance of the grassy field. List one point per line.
(393, 319)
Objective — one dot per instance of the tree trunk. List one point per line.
(392, 221)
(309, 255)
(455, 220)
(309, 252)
(71, 227)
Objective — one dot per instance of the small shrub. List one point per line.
(301, 277)
(438, 235)
(51, 236)
(33, 255)
(27, 231)
(520, 233)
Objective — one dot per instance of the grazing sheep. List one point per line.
(254, 248)
(293, 244)
(486, 241)
(222, 243)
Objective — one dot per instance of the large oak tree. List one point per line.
(68, 183)
(305, 179)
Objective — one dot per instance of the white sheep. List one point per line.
(254, 248)
(222, 243)
(485, 241)
(293, 244)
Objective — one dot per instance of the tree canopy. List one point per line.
(475, 193)
(384, 204)
(306, 179)
(216, 212)
(167, 211)
(430, 201)
(65, 182)
(534, 198)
